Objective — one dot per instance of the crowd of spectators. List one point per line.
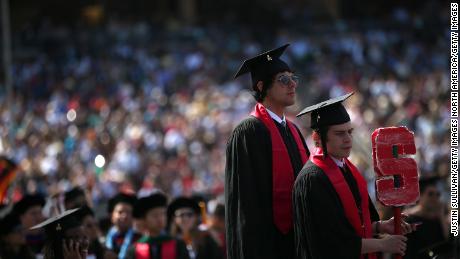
(155, 103)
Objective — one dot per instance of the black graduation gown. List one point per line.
(207, 248)
(428, 235)
(250, 229)
(322, 230)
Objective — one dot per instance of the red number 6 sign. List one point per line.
(397, 178)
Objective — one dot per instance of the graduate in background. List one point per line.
(265, 152)
(122, 234)
(29, 211)
(12, 239)
(333, 214)
(156, 243)
(432, 236)
(184, 218)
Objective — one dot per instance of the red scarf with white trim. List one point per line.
(282, 170)
(332, 171)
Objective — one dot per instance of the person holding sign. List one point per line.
(333, 214)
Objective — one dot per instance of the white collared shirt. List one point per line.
(338, 162)
(276, 117)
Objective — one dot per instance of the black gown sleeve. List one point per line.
(320, 226)
(248, 192)
(181, 249)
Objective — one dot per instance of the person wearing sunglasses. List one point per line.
(432, 236)
(265, 152)
(184, 222)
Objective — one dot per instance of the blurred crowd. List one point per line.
(137, 106)
(182, 223)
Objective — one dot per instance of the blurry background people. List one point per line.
(65, 236)
(431, 240)
(217, 224)
(151, 93)
(12, 239)
(155, 101)
(29, 211)
(121, 235)
(96, 249)
(156, 242)
(184, 220)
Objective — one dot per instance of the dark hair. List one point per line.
(428, 181)
(267, 84)
(322, 132)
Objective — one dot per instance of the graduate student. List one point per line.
(333, 214)
(265, 152)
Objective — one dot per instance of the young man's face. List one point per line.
(429, 199)
(339, 140)
(122, 216)
(155, 219)
(283, 90)
(32, 217)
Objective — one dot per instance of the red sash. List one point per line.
(335, 176)
(168, 250)
(282, 171)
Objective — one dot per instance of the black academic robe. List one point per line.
(322, 230)
(429, 237)
(250, 229)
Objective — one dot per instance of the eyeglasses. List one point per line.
(286, 79)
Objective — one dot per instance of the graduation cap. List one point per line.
(28, 201)
(183, 202)
(56, 226)
(328, 113)
(264, 65)
(121, 198)
(144, 204)
(73, 194)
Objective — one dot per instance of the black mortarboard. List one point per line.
(328, 113)
(56, 226)
(27, 202)
(121, 198)
(9, 223)
(182, 202)
(73, 194)
(144, 204)
(85, 211)
(264, 65)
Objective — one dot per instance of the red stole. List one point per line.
(282, 170)
(168, 250)
(332, 171)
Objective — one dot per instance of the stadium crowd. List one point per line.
(138, 106)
